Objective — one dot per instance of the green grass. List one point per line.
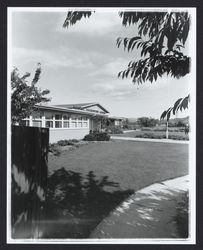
(156, 135)
(86, 184)
(131, 164)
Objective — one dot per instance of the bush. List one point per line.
(97, 136)
(54, 149)
(162, 136)
(151, 136)
(181, 217)
(116, 130)
(178, 137)
(67, 142)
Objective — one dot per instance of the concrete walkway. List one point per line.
(148, 139)
(149, 213)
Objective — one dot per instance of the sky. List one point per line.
(81, 63)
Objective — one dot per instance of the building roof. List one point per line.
(82, 106)
(117, 118)
(69, 110)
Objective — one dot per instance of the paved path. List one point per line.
(149, 213)
(148, 139)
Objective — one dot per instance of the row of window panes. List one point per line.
(65, 117)
(58, 124)
(66, 124)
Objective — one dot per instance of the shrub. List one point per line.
(65, 143)
(97, 136)
(116, 130)
(162, 136)
(178, 137)
(54, 149)
(181, 217)
(151, 136)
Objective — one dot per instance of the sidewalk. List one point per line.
(149, 213)
(147, 139)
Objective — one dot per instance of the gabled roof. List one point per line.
(82, 106)
(69, 110)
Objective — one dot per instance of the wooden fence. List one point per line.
(29, 179)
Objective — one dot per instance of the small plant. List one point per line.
(181, 217)
(65, 143)
(115, 130)
(178, 137)
(54, 149)
(97, 136)
(150, 136)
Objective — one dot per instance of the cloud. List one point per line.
(99, 23)
(60, 57)
(111, 68)
(121, 89)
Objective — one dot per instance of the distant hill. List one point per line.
(184, 120)
(132, 120)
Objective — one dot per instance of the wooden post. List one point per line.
(29, 172)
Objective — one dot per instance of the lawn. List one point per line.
(87, 183)
(156, 134)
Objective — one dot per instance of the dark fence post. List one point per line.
(29, 157)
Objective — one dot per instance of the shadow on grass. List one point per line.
(76, 204)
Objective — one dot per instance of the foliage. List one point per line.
(115, 130)
(166, 34)
(67, 142)
(97, 136)
(180, 104)
(162, 136)
(74, 16)
(25, 96)
(147, 122)
(54, 149)
(161, 38)
(181, 217)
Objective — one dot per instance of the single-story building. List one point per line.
(68, 121)
(117, 121)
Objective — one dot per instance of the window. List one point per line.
(58, 117)
(74, 124)
(36, 123)
(24, 123)
(79, 124)
(66, 124)
(85, 124)
(36, 115)
(58, 124)
(66, 117)
(49, 124)
(48, 116)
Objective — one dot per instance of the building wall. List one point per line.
(94, 125)
(63, 125)
(67, 134)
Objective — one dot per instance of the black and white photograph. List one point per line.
(101, 125)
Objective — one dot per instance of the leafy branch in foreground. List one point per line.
(166, 34)
(74, 16)
(161, 51)
(180, 104)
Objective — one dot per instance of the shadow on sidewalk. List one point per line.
(76, 204)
